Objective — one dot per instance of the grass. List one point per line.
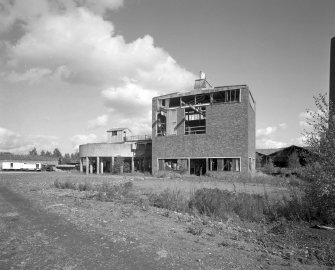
(249, 199)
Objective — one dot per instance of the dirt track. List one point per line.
(34, 239)
(42, 227)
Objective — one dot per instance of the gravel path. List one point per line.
(31, 238)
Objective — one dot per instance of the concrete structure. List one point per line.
(210, 129)
(121, 148)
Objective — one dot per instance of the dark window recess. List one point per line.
(188, 100)
(174, 102)
(203, 99)
(163, 102)
(114, 133)
(224, 164)
(195, 121)
(226, 96)
(161, 124)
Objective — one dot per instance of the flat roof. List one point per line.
(203, 91)
(116, 129)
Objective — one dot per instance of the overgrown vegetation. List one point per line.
(320, 137)
(105, 192)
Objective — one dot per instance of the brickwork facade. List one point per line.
(229, 135)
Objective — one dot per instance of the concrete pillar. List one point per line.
(112, 164)
(101, 167)
(98, 165)
(81, 164)
(91, 168)
(206, 165)
(132, 165)
(87, 164)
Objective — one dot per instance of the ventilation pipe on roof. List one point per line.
(202, 83)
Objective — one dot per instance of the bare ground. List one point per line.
(42, 227)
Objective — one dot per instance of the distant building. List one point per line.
(281, 156)
(121, 145)
(210, 129)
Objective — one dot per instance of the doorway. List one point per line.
(198, 166)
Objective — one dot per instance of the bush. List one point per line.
(173, 200)
(120, 162)
(109, 193)
(222, 204)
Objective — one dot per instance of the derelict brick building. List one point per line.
(210, 129)
(100, 158)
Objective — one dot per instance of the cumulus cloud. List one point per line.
(261, 132)
(69, 40)
(283, 125)
(14, 142)
(265, 137)
(100, 121)
(80, 139)
(31, 76)
(268, 143)
(28, 10)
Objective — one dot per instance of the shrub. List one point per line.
(320, 172)
(114, 192)
(170, 199)
(64, 185)
(121, 162)
(222, 204)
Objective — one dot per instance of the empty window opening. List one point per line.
(114, 133)
(188, 100)
(174, 102)
(167, 123)
(195, 120)
(198, 166)
(11, 165)
(180, 165)
(224, 164)
(226, 96)
(203, 99)
(161, 124)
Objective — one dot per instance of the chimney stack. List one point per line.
(332, 72)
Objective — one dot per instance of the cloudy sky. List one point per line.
(71, 69)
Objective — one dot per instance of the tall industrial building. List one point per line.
(207, 130)
(332, 72)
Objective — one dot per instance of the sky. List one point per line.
(72, 69)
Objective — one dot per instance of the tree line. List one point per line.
(56, 153)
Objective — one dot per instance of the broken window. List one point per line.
(114, 133)
(161, 123)
(195, 120)
(167, 123)
(226, 96)
(203, 99)
(224, 164)
(171, 122)
(174, 102)
(173, 165)
(188, 100)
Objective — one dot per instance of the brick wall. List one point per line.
(229, 133)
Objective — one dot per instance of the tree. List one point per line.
(42, 153)
(320, 137)
(57, 153)
(48, 154)
(294, 161)
(33, 152)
